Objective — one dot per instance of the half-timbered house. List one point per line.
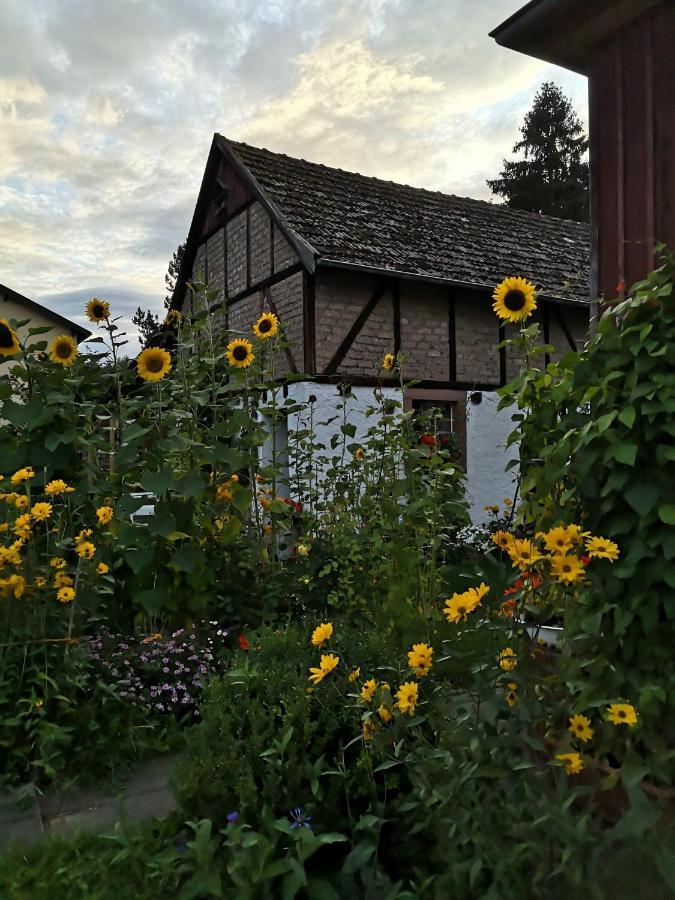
(356, 267)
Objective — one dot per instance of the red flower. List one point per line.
(428, 439)
(511, 590)
(585, 560)
(243, 642)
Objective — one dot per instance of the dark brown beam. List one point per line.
(267, 282)
(502, 356)
(309, 321)
(248, 246)
(396, 295)
(367, 381)
(273, 308)
(355, 330)
(566, 331)
(546, 326)
(452, 337)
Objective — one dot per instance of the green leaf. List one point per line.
(626, 453)
(643, 497)
(157, 482)
(667, 513)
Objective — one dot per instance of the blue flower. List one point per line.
(232, 817)
(299, 819)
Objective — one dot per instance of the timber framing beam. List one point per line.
(566, 331)
(355, 330)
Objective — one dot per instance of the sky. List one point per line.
(108, 109)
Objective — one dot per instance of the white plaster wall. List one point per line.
(486, 432)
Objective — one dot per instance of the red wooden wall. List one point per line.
(632, 127)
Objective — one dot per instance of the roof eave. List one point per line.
(81, 332)
(327, 263)
(565, 32)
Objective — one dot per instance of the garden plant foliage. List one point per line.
(391, 723)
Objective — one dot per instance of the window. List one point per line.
(450, 406)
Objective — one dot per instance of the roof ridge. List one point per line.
(502, 208)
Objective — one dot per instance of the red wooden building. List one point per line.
(627, 50)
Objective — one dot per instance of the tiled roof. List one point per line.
(353, 219)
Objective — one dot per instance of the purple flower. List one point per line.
(299, 819)
(232, 817)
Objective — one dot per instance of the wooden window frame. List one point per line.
(443, 396)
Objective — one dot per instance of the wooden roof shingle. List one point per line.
(355, 220)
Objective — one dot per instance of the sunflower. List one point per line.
(354, 674)
(507, 659)
(407, 696)
(328, 663)
(580, 726)
(56, 487)
(65, 594)
(388, 362)
(266, 327)
(573, 762)
(514, 299)
(322, 633)
(368, 690)
(173, 317)
(102, 569)
(512, 693)
(566, 569)
(22, 475)
(359, 453)
(63, 350)
(57, 562)
(21, 502)
(41, 511)
(9, 341)
(153, 363)
(85, 550)
(622, 714)
(97, 310)
(458, 607)
(523, 553)
(104, 514)
(558, 540)
(385, 713)
(239, 353)
(419, 659)
(602, 548)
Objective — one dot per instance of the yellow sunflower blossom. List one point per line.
(622, 714)
(388, 362)
(573, 762)
(63, 580)
(328, 663)
(41, 511)
(21, 502)
(558, 540)
(57, 562)
(385, 713)
(22, 475)
(97, 310)
(302, 550)
(359, 453)
(22, 526)
(512, 693)
(368, 690)
(65, 594)
(567, 569)
(419, 659)
(153, 363)
(56, 487)
(63, 350)
(239, 353)
(354, 674)
(458, 607)
(14, 584)
(523, 553)
(266, 327)
(83, 535)
(85, 550)
(40, 581)
(407, 696)
(172, 318)
(580, 726)
(507, 659)
(9, 340)
(602, 548)
(514, 299)
(102, 569)
(104, 514)
(322, 633)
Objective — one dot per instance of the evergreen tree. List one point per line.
(553, 176)
(148, 323)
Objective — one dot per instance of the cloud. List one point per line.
(107, 112)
